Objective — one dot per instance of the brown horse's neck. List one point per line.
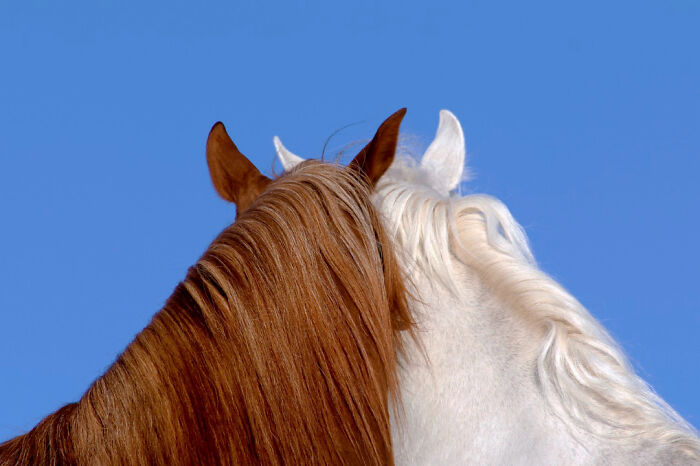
(170, 399)
(278, 347)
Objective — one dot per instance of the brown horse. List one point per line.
(280, 345)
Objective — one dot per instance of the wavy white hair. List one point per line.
(580, 370)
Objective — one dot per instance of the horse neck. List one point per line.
(277, 348)
(473, 399)
(174, 397)
(476, 399)
(478, 396)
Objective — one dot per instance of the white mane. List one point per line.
(581, 370)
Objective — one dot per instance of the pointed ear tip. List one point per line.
(217, 140)
(449, 122)
(217, 129)
(449, 117)
(395, 119)
(279, 147)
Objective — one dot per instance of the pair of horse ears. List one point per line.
(237, 180)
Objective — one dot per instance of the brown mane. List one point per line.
(278, 347)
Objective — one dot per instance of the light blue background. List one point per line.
(583, 118)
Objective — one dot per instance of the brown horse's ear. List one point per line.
(235, 178)
(375, 158)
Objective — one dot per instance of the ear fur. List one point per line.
(287, 158)
(444, 158)
(235, 178)
(374, 159)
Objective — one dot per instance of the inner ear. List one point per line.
(376, 157)
(234, 177)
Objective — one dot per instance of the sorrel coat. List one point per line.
(279, 346)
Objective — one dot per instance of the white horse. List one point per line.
(517, 371)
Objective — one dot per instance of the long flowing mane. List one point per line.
(278, 347)
(581, 371)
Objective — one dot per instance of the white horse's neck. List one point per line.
(474, 399)
(517, 371)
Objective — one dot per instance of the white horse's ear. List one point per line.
(444, 158)
(288, 159)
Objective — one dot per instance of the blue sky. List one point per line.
(584, 118)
